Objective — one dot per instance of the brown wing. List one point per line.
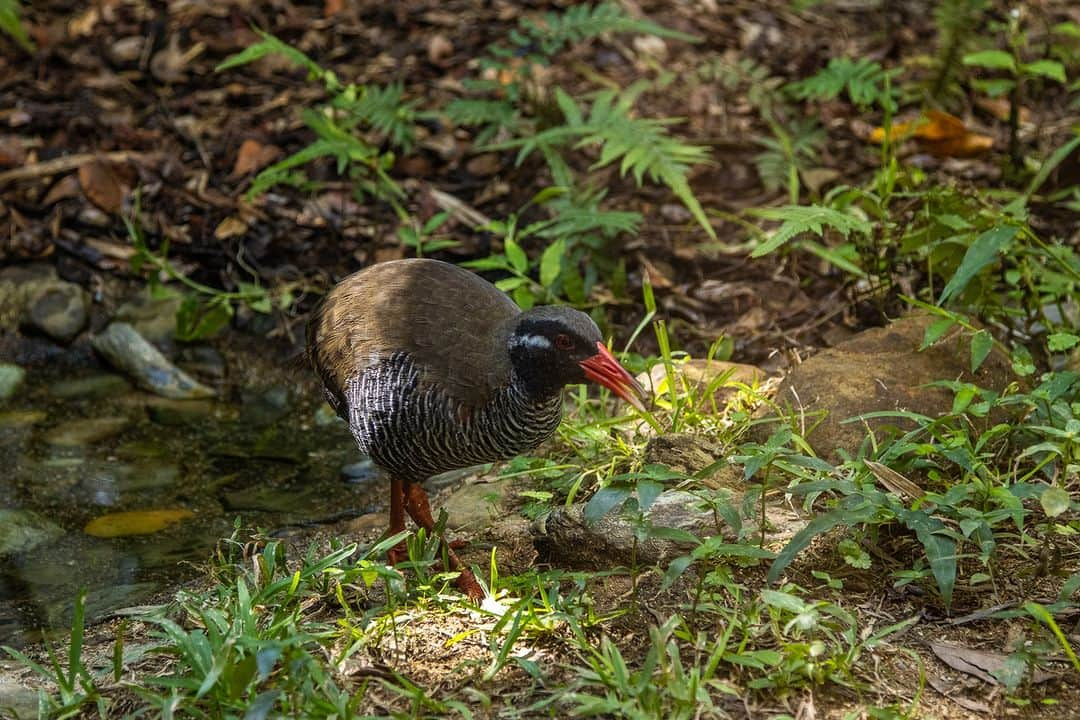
(453, 323)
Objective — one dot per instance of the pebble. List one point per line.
(130, 353)
(91, 387)
(59, 310)
(76, 433)
(23, 530)
(11, 377)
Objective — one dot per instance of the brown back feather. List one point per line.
(453, 323)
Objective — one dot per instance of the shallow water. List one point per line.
(79, 447)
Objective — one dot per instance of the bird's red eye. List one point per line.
(563, 342)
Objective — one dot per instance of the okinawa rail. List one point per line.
(434, 369)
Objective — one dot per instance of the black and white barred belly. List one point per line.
(416, 431)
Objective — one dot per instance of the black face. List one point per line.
(548, 346)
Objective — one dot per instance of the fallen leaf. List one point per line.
(980, 663)
(100, 185)
(938, 133)
(894, 481)
(230, 227)
(135, 522)
(333, 7)
(254, 156)
(1000, 107)
(66, 187)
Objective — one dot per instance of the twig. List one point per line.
(71, 162)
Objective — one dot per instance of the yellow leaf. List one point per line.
(135, 522)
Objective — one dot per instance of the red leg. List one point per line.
(398, 553)
(416, 504)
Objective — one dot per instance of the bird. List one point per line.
(435, 369)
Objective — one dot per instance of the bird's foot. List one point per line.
(466, 583)
(397, 554)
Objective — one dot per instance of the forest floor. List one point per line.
(122, 113)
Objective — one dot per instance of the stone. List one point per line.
(179, 413)
(77, 433)
(92, 387)
(361, 472)
(58, 309)
(11, 377)
(126, 350)
(566, 538)
(263, 407)
(152, 317)
(18, 419)
(23, 530)
(478, 505)
(879, 370)
(204, 361)
(16, 700)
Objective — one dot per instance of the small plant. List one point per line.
(11, 23)
(204, 310)
(337, 127)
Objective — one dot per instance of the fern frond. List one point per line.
(862, 79)
(383, 109)
(467, 111)
(799, 150)
(798, 219)
(270, 45)
(642, 146)
(582, 22)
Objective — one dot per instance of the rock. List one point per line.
(204, 361)
(23, 530)
(130, 353)
(477, 505)
(11, 377)
(682, 452)
(880, 369)
(152, 317)
(179, 413)
(697, 374)
(58, 309)
(361, 472)
(567, 539)
(265, 406)
(90, 388)
(17, 283)
(16, 700)
(76, 433)
(18, 419)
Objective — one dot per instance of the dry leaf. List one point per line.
(66, 187)
(979, 663)
(137, 522)
(938, 133)
(230, 227)
(100, 185)
(333, 7)
(894, 481)
(254, 156)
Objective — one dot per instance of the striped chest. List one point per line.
(414, 430)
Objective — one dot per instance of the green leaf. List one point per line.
(981, 344)
(604, 501)
(983, 251)
(197, 320)
(940, 549)
(1022, 362)
(1054, 500)
(12, 25)
(647, 492)
(1062, 341)
(935, 330)
(798, 219)
(1046, 68)
(991, 60)
(517, 257)
(551, 262)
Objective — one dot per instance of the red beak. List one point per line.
(603, 369)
